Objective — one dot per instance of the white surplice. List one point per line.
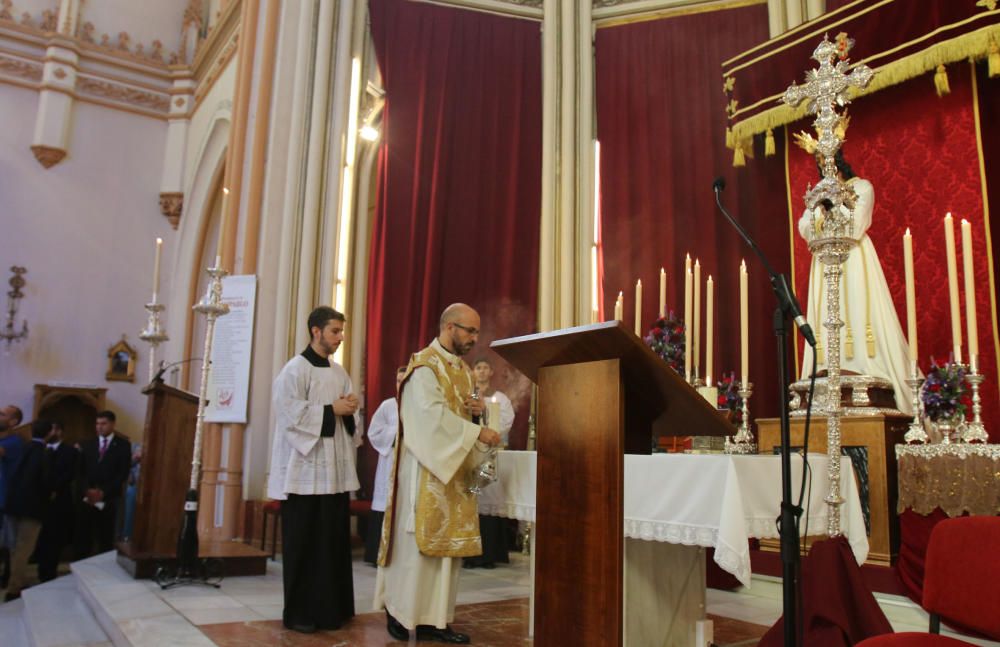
(506, 416)
(382, 435)
(303, 462)
(414, 588)
(865, 298)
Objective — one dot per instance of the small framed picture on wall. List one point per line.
(121, 362)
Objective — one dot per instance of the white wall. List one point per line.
(85, 229)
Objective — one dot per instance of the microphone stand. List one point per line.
(788, 523)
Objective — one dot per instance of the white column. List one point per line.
(776, 18)
(178, 121)
(55, 103)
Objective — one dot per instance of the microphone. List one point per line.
(778, 281)
(164, 367)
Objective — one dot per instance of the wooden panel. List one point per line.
(168, 446)
(879, 434)
(578, 577)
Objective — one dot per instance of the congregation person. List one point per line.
(494, 530)
(10, 451)
(313, 471)
(382, 436)
(431, 518)
(28, 498)
(57, 524)
(105, 462)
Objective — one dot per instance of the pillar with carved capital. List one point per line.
(178, 120)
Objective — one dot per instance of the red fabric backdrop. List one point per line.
(661, 126)
(920, 153)
(459, 185)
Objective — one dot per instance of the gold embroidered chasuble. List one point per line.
(446, 514)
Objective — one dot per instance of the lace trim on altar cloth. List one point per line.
(956, 478)
(508, 510)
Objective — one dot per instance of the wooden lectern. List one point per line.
(168, 444)
(602, 393)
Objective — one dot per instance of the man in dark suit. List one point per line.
(105, 462)
(27, 502)
(57, 526)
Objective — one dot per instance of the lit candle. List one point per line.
(663, 292)
(687, 324)
(638, 308)
(619, 307)
(972, 327)
(709, 328)
(956, 319)
(744, 326)
(911, 299)
(696, 349)
(156, 268)
(493, 413)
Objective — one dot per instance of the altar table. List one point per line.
(711, 500)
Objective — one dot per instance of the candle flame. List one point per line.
(159, 241)
(907, 231)
(225, 190)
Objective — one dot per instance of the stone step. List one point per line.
(56, 616)
(12, 625)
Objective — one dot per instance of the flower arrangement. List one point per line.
(667, 338)
(729, 397)
(945, 394)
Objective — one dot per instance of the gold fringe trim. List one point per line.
(974, 45)
(941, 85)
(994, 58)
(769, 143)
(739, 159)
(729, 137)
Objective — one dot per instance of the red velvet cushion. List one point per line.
(360, 507)
(962, 573)
(910, 640)
(273, 507)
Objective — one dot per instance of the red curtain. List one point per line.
(459, 185)
(661, 125)
(920, 153)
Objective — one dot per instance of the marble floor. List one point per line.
(492, 607)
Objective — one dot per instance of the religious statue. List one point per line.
(872, 341)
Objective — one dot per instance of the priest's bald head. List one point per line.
(459, 328)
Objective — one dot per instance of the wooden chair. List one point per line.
(961, 583)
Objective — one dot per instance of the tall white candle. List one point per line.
(638, 308)
(972, 327)
(709, 328)
(156, 268)
(688, 328)
(956, 318)
(744, 326)
(696, 350)
(911, 299)
(663, 293)
(619, 307)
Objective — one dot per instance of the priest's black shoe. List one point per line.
(446, 635)
(395, 628)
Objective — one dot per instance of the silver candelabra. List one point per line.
(153, 334)
(743, 442)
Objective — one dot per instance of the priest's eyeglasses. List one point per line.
(469, 329)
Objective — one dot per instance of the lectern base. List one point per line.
(238, 559)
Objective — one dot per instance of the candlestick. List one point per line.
(156, 268)
(975, 431)
(743, 441)
(744, 324)
(709, 328)
(638, 308)
(911, 300)
(956, 321)
(696, 349)
(619, 307)
(687, 324)
(972, 327)
(916, 432)
(663, 292)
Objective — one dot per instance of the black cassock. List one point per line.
(316, 538)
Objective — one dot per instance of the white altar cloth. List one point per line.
(712, 500)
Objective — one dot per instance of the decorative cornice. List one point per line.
(171, 205)
(157, 101)
(18, 67)
(48, 156)
(205, 83)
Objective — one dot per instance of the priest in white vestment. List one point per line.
(871, 339)
(381, 434)
(313, 471)
(431, 518)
